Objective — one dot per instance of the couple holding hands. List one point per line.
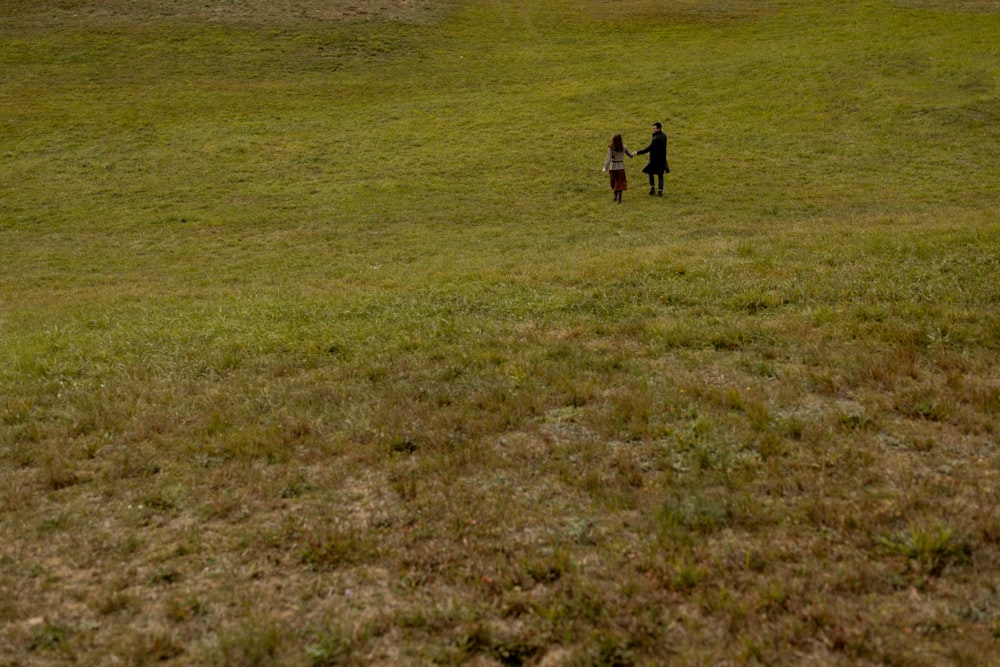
(615, 162)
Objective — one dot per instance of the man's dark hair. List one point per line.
(657, 126)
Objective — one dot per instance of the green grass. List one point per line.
(322, 341)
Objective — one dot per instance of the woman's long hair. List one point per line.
(616, 143)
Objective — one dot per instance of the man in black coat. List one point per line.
(657, 150)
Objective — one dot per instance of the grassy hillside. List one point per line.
(322, 341)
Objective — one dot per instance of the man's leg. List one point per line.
(661, 184)
(652, 186)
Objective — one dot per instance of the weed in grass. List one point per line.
(331, 649)
(404, 483)
(513, 651)
(684, 573)
(126, 545)
(254, 642)
(628, 468)
(130, 463)
(181, 609)
(924, 403)
(773, 598)
(726, 603)
(117, 602)
(330, 546)
(792, 427)
(51, 636)
(402, 444)
(165, 575)
(628, 415)
(610, 652)
(60, 473)
(684, 520)
(156, 648)
(55, 523)
(928, 550)
(550, 568)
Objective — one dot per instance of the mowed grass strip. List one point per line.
(322, 341)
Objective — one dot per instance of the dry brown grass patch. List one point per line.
(237, 12)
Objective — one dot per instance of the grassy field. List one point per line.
(323, 343)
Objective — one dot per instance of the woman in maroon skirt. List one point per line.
(615, 162)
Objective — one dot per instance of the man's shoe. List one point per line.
(652, 191)
(660, 193)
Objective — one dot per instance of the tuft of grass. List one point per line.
(49, 637)
(156, 648)
(253, 642)
(928, 550)
(329, 546)
(695, 515)
(331, 649)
